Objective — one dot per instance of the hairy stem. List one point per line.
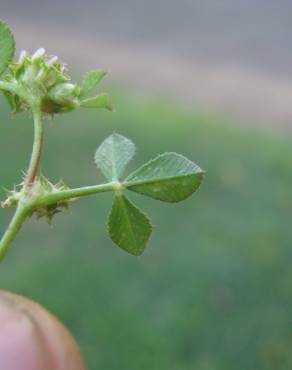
(37, 147)
(74, 193)
(23, 209)
(12, 229)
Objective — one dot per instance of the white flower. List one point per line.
(39, 53)
(22, 56)
(52, 61)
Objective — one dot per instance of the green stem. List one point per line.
(37, 147)
(74, 193)
(12, 229)
(23, 209)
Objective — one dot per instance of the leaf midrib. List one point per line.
(123, 200)
(160, 179)
(113, 160)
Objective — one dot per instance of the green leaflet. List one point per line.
(129, 228)
(170, 177)
(90, 81)
(98, 101)
(113, 155)
(7, 47)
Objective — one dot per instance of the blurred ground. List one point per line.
(230, 57)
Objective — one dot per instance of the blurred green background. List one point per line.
(213, 289)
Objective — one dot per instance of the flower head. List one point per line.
(41, 77)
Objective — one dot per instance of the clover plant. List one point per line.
(41, 84)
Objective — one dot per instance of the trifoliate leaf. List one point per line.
(169, 177)
(113, 155)
(129, 228)
(90, 81)
(98, 101)
(7, 47)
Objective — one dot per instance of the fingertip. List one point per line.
(33, 339)
(21, 344)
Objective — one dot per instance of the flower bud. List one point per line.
(64, 93)
(62, 97)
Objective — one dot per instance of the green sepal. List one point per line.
(12, 199)
(128, 227)
(90, 81)
(14, 102)
(98, 101)
(44, 187)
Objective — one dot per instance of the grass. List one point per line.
(213, 289)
